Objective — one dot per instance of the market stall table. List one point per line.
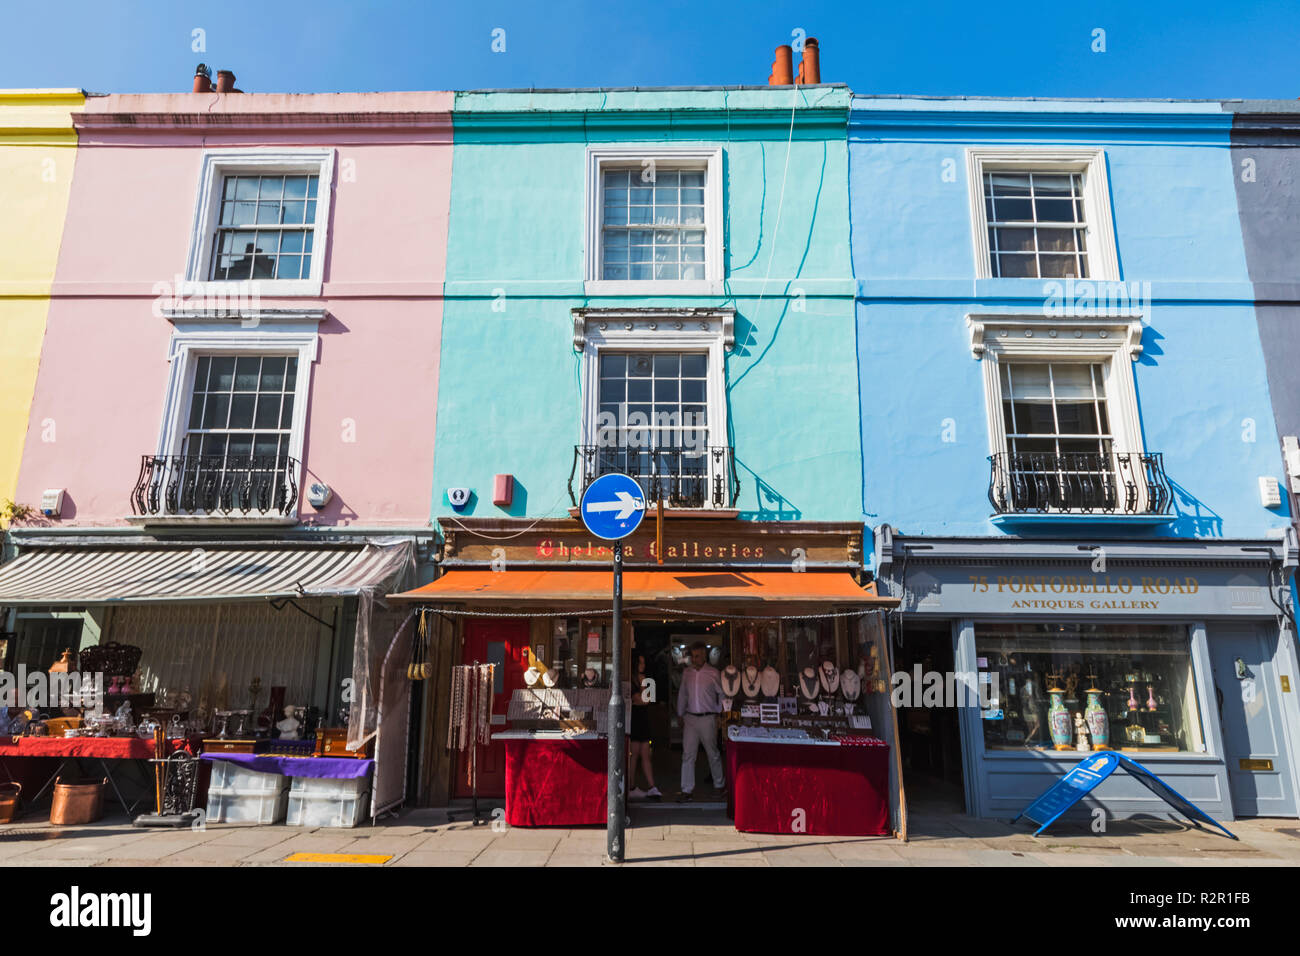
(554, 780)
(831, 787)
(64, 749)
(319, 768)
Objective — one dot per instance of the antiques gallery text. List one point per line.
(1071, 584)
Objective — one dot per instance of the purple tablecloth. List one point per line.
(332, 768)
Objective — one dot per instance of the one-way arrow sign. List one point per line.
(612, 506)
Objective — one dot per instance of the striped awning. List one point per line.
(213, 572)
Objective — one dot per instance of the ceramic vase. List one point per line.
(1058, 720)
(1151, 697)
(1098, 722)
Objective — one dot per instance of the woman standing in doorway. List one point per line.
(639, 733)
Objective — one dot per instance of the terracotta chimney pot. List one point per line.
(202, 79)
(225, 81)
(782, 67)
(810, 67)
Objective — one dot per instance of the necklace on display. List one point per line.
(749, 681)
(829, 677)
(730, 680)
(850, 685)
(808, 685)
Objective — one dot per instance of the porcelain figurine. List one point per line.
(1080, 734)
(1058, 719)
(289, 726)
(1098, 722)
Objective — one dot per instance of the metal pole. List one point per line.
(617, 754)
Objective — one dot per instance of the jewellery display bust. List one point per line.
(731, 681)
(770, 681)
(809, 686)
(829, 677)
(749, 681)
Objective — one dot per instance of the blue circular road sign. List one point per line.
(612, 506)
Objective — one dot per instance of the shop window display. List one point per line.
(1131, 687)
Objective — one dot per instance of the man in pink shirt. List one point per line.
(699, 701)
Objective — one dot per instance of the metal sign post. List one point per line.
(617, 759)
(612, 508)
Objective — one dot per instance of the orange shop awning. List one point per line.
(543, 587)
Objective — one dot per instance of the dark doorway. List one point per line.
(666, 649)
(929, 737)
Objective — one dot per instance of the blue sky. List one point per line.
(1193, 49)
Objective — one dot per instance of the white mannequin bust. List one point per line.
(289, 726)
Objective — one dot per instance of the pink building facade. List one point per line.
(134, 287)
(232, 433)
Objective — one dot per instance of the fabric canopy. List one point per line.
(88, 575)
(549, 587)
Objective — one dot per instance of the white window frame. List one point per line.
(708, 158)
(214, 167)
(1114, 344)
(189, 345)
(1103, 259)
(705, 330)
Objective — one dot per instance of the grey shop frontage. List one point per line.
(1181, 654)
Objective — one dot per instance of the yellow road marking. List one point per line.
(338, 858)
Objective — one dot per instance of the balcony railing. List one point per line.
(681, 477)
(1126, 483)
(263, 486)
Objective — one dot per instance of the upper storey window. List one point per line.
(262, 216)
(1041, 214)
(266, 227)
(654, 220)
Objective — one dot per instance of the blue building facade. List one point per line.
(1069, 448)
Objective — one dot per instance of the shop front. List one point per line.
(124, 652)
(802, 719)
(1180, 654)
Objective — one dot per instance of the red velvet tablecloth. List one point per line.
(104, 748)
(841, 791)
(556, 783)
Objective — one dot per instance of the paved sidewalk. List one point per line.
(702, 837)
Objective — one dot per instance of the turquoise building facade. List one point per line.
(521, 261)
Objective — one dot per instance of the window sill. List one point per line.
(1015, 753)
(213, 521)
(241, 290)
(1059, 519)
(645, 287)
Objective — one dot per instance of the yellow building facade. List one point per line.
(38, 149)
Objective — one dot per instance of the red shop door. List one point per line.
(503, 642)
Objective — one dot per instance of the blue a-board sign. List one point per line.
(1070, 789)
(1085, 777)
(612, 506)
(1170, 795)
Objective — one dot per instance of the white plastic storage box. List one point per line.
(315, 802)
(228, 775)
(246, 806)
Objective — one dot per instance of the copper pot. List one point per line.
(76, 803)
(9, 793)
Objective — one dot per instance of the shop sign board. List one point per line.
(1070, 789)
(1085, 777)
(1056, 591)
(1169, 794)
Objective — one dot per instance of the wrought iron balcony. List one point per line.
(1126, 483)
(263, 486)
(680, 477)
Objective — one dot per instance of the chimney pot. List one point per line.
(810, 67)
(782, 67)
(202, 79)
(225, 81)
